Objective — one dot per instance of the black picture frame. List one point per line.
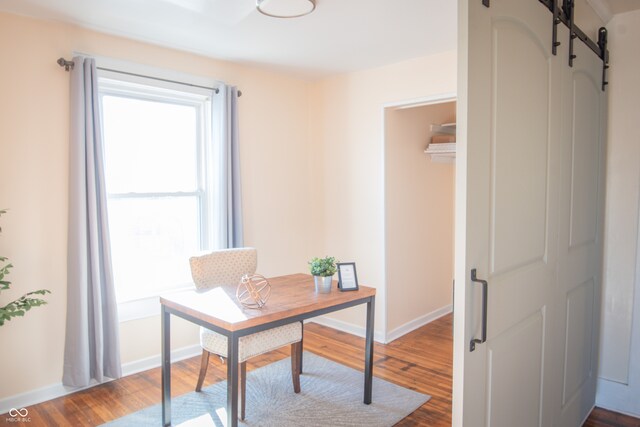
(347, 276)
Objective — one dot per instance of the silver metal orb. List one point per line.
(253, 291)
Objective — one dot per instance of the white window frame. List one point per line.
(138, 87)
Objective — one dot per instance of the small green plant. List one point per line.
(23, 304)
(323, 266)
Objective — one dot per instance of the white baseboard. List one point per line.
(617, 397)
(24, 400)
(147, 363)
(378, 335)
(347, 327)
(584, 420)
(618, 410)
(416, 323)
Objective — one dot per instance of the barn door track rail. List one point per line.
(564, 15)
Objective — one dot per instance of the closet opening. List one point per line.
(419, 185)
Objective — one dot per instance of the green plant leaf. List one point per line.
(39, 292)
(323, 266)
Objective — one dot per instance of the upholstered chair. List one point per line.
(226, 267)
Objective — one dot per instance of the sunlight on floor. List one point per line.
(205, 420)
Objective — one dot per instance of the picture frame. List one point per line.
(347, 276)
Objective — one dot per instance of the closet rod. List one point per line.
(68, 65)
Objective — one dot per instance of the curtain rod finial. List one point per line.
(68, 65)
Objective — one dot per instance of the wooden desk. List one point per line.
(292, 299)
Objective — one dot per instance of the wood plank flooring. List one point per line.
(421, 360)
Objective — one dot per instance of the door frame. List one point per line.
(439, 98)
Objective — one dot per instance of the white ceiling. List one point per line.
(340, 36)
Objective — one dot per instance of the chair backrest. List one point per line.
(223, 267)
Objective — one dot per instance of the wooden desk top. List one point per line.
(290, 296)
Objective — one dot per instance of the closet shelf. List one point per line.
(442, 146)
(446, 128)
(442, 153)
(448, 148)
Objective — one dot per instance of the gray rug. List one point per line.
(331, 395)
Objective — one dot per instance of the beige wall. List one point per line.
(619, 385)
(419, 212)
(33, 182)
(347, 131)
(312, 171)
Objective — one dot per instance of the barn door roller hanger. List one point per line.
(564, 15)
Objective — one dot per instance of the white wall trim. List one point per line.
(417, 323)
(145, 307)
(347, 327)
(617, 397)
(147, 363)
(379, 336)
(138, 309)
(438, 98)
(421, 101)
(26, 399)
(584, 420)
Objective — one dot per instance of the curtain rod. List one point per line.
(68, 65)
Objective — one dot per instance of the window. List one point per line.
(158, 181)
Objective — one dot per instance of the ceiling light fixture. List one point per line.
(285, 8)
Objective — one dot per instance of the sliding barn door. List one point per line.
(528, 220)
(581, 234)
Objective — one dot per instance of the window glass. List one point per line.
(158, 198)
(151, 242)
(150, 146)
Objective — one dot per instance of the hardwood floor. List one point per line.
(602, 418)
(421, 360)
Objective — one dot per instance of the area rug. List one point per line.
(331, 395)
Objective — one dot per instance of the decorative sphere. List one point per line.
(253, 291)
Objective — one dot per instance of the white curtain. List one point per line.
(92, 349)
(226, 129)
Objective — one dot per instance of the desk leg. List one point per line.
(166, 367)
(232, 380)
(368, 351)
(301, 346)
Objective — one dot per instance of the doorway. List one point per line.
(419, 158)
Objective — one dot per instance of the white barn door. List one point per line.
(529, 219)
(581, 236)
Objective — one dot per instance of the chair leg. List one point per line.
(301, 345)
(243, 388)
(204, 363)
(296, 358)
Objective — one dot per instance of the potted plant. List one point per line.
(323, 270)
(23, 304)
